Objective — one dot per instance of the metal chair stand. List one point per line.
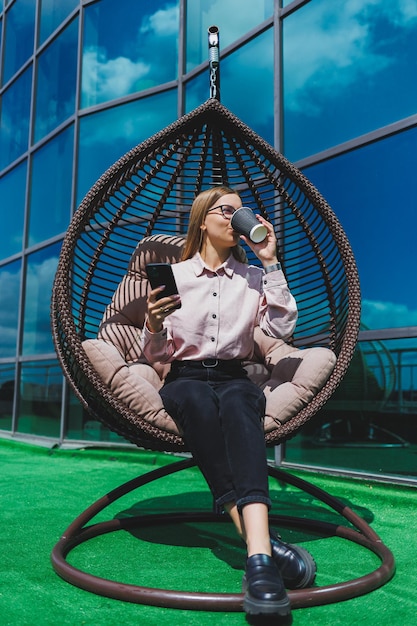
(79, 532)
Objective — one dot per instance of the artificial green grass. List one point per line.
(42, 491)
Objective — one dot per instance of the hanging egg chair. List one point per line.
(137, 212)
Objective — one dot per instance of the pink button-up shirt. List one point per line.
(219, 312)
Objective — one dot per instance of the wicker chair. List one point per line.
(148, 191)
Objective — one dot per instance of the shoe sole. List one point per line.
(252, 606)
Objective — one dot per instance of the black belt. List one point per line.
(219, 364)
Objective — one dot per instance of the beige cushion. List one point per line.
(289, 377)
(290, 380)
(295, 376)
(125, 315)
(136, 385)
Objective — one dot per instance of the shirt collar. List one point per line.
(229, 266)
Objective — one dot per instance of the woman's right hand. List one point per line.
(158, 310)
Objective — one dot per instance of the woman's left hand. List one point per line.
(265, 250)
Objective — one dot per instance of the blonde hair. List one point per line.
(202, 203)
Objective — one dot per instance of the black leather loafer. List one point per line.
(297, 566)
(264, 588)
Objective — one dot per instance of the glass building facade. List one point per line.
(331, 84)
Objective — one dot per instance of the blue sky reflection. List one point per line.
(341, 77)
(369, 189)
(122, 56)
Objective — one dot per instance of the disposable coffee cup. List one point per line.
(245, 223)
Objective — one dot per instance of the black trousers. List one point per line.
(220, 412)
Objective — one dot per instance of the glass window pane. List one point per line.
(349, 68)
(10, 276)
(197, 90)
(53, 12)
(82, 426)
(18, 43)
(370, 191)
(7, 373)
(122, 55)
(50, 204)
(247, 85)
(106, 136)
(232, 19)
(255, 60)
(369, 423)
(40, 398)
(12, 195)
(14, 122)
(55, 91)
(41, 268)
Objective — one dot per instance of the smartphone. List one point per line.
(162, 274)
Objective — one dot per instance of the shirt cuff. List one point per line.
(274, 279)
(148, 335)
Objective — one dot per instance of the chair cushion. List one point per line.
(296, 375)
(136, 384)
(125, 315)
(289, 377)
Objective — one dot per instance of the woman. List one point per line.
(218, 408)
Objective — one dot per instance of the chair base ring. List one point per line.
(77, 533)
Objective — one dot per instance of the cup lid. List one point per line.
(258, 233)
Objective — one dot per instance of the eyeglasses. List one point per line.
(226, 210)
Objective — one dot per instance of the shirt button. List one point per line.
(214, 316)
(213, 339)
(214, 293)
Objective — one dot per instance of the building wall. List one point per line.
(329, 83)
